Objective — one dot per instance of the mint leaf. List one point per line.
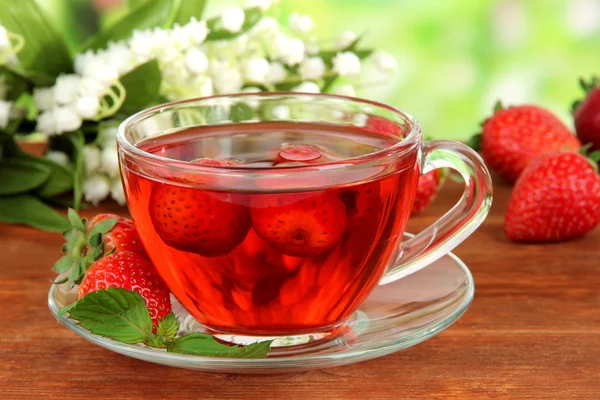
(168, 327)
(66, 309)
(201, 344)
(115, 313)
(254, 350)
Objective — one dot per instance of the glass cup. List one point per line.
(276, 214)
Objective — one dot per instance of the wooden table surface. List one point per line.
(532, 332)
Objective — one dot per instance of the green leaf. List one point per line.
(75, 220)
(60, 181)
(253, 15)
(28, 210)
(65, 309)
(189, 9)
(132, 4)
(63, 264)
(595, 156)
(19, 176)
(475, 142)
(151, 14)
(115, 313)
(168, 327)
(45, 54)
(77, 141)
(104, 226)
(142, 85)
(205, 345)
(26, 103)
(240, 112)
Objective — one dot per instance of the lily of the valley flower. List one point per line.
(96, 188)
(346, 64)
(5, 110)
(300, 23)
(312, 68)
(91, 158)
(233, 19)
(345, 40)
(307, 87)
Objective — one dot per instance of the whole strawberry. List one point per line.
(122, 237)
(130, 271)
(556, 198)
(362, 204)
(199, 221)
(427, 188)
(515, 136)
(87, 241)
(299, 224)
(587, 114)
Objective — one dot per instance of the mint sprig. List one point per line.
(83, 247)
(122, 315)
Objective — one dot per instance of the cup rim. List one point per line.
(405, 145)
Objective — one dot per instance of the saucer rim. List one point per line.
(344, 356)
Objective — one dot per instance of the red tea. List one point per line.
(264, 259)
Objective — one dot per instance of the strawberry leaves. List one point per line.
(82, 248)
(122, 315)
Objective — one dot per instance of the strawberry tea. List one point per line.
(270, 260)
(276, 214)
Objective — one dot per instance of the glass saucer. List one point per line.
(395, 316)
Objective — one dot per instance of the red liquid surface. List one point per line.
(274, 262)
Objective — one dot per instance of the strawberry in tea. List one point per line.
(249, 245)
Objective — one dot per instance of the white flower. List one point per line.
(91, 158)
(141, 43)
(345, 40)
(83, 60)
(44, 98)
(262, 4)
(311, 48)
(87, 106)
(227, 80)
(110, 161)
(196, 30)
(277, 72)
(346, 63)
(312, 68)
(106, 75)
(46, 122)
(256, 69)
(206, 88)
(233, 19)
(116, 192)
(307, 87)
(169, 54)
(384, 61)
(4, 39)
(67, 119)
(66, 88)
(281, 112)
(290, 51)
(300, 23)
(120, 57)
(107, 136)
(91, 87)
(267, 27)
(58, 157)
(251, 89)
(96, 188)
(196, 61)
(5, 109)
(180, 38)
(346, 90)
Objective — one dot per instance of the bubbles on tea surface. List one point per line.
(299, 152)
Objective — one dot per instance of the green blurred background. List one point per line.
(455, 57)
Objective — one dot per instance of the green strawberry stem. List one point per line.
(82, 248)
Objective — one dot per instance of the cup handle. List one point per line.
(458, 223)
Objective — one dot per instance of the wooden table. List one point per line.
(533, 332)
